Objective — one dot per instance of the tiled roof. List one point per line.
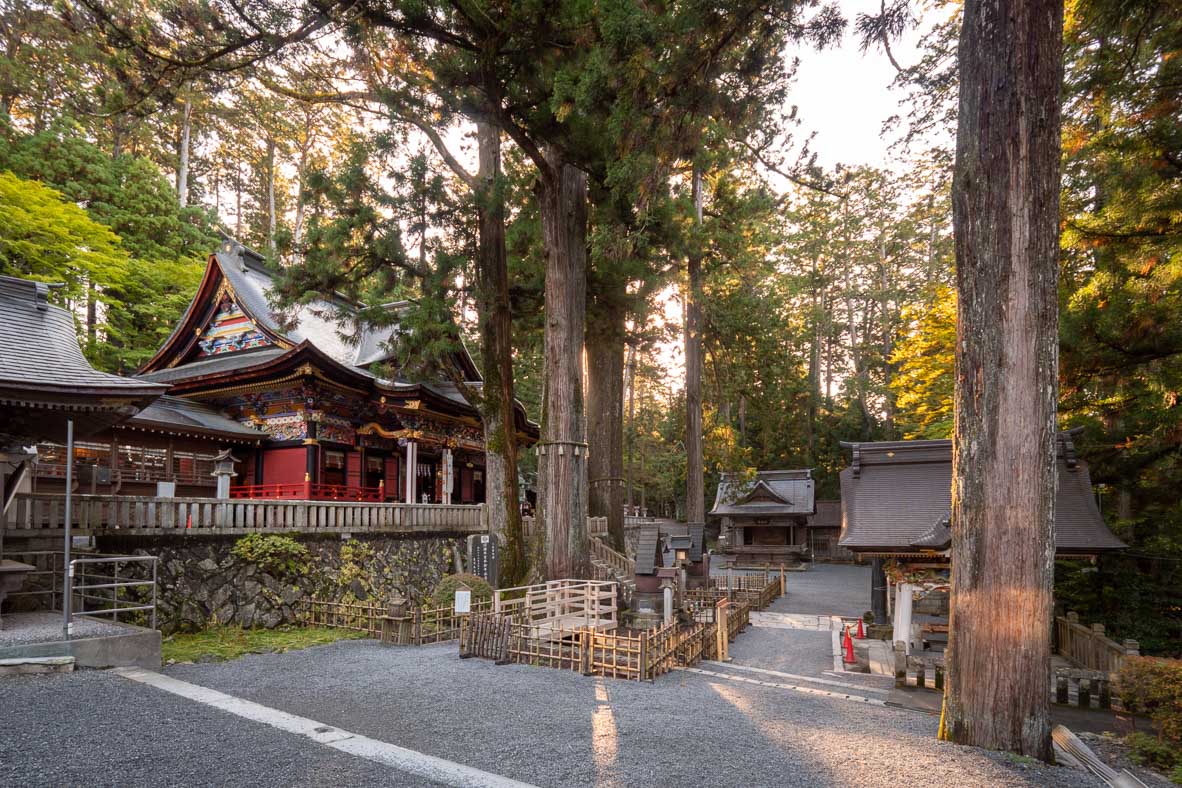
(770, 493)
(828, 515)
(223, 363)
(647, 550)
(39, 348)
(895, 495)
(176, 414)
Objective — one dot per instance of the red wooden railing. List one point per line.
(308, 491)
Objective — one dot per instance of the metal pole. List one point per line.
(67, 624)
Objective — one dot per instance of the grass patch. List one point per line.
(219, 643)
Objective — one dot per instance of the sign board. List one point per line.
(484, 557)
(463, 602)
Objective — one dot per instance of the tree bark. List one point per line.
(695, 493)
(1006, 213)
(562, 451)
(496, 351)
(182, 170)
(630, 458)
(605, 404)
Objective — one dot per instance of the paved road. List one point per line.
(540, 725)
(827, 589)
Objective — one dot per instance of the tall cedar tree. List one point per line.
(1006, 214)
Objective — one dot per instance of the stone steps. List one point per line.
(20, 666)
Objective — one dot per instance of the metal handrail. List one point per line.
(117, 605)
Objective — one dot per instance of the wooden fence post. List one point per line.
(783, 584)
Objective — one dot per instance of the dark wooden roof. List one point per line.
(44, 378)
(648, 550)
(828, 515)
(896, 497)
(770, 493)
(179, 416)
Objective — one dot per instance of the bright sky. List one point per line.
(844, 95)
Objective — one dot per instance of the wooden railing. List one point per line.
(596, 526)
(559, 603)
(1088, 647)
(43, 514)
(620, 564)
(307, 491)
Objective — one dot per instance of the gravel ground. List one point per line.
(22, 629)
(552, 727)
(790, 650)
(93, 728)
(827, 589)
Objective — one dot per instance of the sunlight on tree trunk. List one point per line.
(1006, 213)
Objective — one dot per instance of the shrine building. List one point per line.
(309, 401)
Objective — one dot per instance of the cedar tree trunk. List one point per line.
(695, 492)
(562, 451)
(1006, 213)
(605, 404)
(496, 352)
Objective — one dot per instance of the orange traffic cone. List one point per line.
(861, 632)
(849, 648)
(189, 521)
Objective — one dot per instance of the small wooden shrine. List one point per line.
(765, 516)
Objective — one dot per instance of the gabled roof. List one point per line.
(770, 493)
(45, 379)
(896, 497)
(648, 550)
(324, 323)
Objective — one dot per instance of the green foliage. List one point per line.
(1153, 686)
(225, 642)
(278, 555)
(445, 593)
(1146, 750)
(924, 360)
(45, 237)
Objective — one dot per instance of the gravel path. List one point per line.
(22, 629)
(93, 728)
(827, 589)
(790, 650)
(552, 727)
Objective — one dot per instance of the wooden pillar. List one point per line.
(258, 465)
(412, 470)
(878, 592)
(311, 465)
(902, 631)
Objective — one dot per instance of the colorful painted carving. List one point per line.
(230, 330)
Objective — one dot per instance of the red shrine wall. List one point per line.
(285, 466)
(353, 470)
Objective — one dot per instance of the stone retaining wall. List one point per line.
(201, 581)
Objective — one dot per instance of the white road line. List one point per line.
(794, 687)
(809, 679)
(411, 761)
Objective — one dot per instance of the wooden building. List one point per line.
(896, 500)
(824, 533)
(311, 402)
(765, 516)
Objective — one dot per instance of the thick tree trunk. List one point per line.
(496, 353)
(695, 492)
(1006, 213)
(605, 405)
(562, 451)
(182, 170)
(630, 458)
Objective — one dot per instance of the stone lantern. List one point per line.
(223, 470)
